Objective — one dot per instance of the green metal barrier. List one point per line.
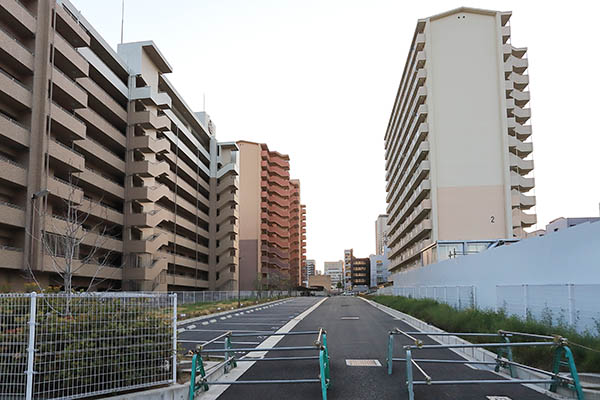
(199, 376)
(563, 357)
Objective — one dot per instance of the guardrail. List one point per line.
(563, 357)
(199, 378)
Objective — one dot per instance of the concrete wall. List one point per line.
(466, 111)
(567, 256)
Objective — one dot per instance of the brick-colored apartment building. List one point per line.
(272, 220)
(104, 132)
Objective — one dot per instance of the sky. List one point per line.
(316, 79)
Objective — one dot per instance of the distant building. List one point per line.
(310, 271)
(381, 231)
(335, 269)
(564, 223)
(361, 273)
(348, 269)
(320, 281)
(379, 268)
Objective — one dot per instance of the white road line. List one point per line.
(190, 326)
(212, 321)
(216, 390)
(205, 323)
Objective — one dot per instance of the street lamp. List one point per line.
(34, 197)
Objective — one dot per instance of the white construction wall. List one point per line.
(570, 256)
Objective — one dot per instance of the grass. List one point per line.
(452, 320)
(198, 309)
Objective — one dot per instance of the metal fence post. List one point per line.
(571, 299)
(31, 345)
(525, 301)
(174, 338)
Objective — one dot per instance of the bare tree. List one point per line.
(66, 230)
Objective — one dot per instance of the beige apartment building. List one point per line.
(106, 135)
(458, 149)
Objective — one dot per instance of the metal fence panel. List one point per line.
(214, 296)
(85, 344)
(14, 333)
(574, 305)
(460, 297)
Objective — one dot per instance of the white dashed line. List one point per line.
(191, 327)
(212, 321)
(205, 323)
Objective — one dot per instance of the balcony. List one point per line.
(522, 167)
(18, 94)
(522, 132)
(149, 120)
(519, 81)
(11, 257)
(65, 88)
(19, 15)
(66, 156)
(12, 172)
(521, 183)
(148, 168)
(100, 153)
(149, 245)
(521, 98)
(69, 27)
(68, 59)
(14, 52)
(13, 132)
(149, 96)
(148, 219)
(147, 144)
(521, 149)
(187, 281)
(521, 115)
(523, 219)
(148, 193)
(64, 190)
(103, 182)
(522, 201)
(102, 126)
(67, 123)
(12, 215)
(102, 97)
(102, 211)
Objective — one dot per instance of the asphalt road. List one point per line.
(262, 318)
(363, 338)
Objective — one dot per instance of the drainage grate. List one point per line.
(363, 363)
(350, 318)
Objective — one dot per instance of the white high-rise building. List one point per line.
(381, 232)
(458, 155)
(335, 269)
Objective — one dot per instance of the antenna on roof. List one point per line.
(204, 102)
(122, 18)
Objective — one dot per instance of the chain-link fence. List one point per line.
(460, 297)
(211, 296)
(574, 305)
(58, 346)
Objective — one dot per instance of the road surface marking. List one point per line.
(363, 363)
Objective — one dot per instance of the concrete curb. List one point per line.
(480, 354)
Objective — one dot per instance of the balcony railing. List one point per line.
(8, 160)
(2, 115)
(16, 39)
(11, 205)
(67, 147)
(105, 176)
(71, 113)
(12, 78)
(104, 147)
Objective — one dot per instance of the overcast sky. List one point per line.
(316, 79)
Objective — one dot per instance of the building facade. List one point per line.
(105, 136)
(335, 269)
(563, 223)
(361, 273)
(379, 268)
(310, 270)
(458, 154)
(272, 220)
(381, 234)
(348, 254)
